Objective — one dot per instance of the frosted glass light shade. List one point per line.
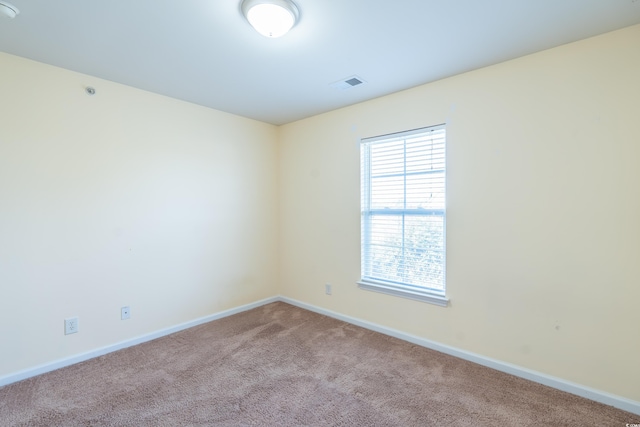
(271, 18)
(8, 10)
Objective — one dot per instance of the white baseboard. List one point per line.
(557, 383)
(548, 380)
(72, 360)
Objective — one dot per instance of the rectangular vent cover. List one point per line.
(347, 83)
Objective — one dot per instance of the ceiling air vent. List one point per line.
(347, 83)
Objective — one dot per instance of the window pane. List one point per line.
(407, 250)
(387, 192)
(425, 153)
(424, 251)
(387, 159)
(425, 191)
(384, 257)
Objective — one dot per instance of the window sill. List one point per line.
(427, 297)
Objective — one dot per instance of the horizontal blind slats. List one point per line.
(403, 205)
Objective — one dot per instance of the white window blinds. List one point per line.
(403, 210)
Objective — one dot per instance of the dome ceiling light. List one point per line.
(271, 18)
(8, 10)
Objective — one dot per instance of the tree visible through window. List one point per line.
(403, 211)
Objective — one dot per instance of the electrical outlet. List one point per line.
(327, 288)
(125, 313)
(70, 325)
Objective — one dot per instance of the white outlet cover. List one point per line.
(125, 313)
(70, 325)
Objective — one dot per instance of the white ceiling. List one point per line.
(203, 51)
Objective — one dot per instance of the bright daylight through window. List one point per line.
(403, 214)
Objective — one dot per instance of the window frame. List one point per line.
(390, 287)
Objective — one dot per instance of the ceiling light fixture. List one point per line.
(8, 10)
(271, 18)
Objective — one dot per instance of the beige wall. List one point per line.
(543, 221)
(123, 198)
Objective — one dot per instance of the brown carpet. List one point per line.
(279, 365)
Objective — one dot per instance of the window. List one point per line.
(403, 214)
